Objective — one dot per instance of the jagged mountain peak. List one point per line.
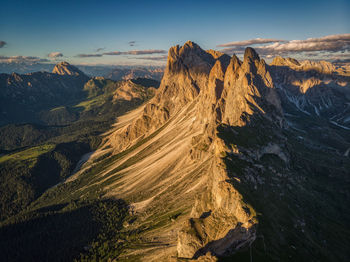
(251, 54)
(233, 66)
(64, 68)
(192, 45)
(189, 56)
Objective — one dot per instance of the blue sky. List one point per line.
(37, 28)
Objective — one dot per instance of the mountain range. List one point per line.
(108, 71)
(226, 160)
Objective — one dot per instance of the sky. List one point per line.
(141, 32)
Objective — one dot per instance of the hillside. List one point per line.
(37, 156)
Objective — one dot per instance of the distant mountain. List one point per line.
(133, 73)
(322, 67)
(24, 68)
(22, 96)
(319, 89)
(26, 98)
(108, 71)
(64, 68)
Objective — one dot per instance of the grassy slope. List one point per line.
(30, 154)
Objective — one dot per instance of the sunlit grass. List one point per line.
(57, 108)
(93, 102)
(28, 154)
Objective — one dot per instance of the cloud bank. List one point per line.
(22, 59)
(251, 42)
(88, 55)
(309, 47)
(132, 52)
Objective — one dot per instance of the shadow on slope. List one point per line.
(64, 232)
(299, 192)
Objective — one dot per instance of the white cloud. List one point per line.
(132, 52)
(312, 47)
(137, 52)
(332, 43)
(22, 59)
(251, 42)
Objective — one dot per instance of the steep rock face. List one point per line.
(220, 222)
(185, 75)
(201, 90)
(248, 89)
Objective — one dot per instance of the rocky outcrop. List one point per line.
(128, 91)
(249, 87)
